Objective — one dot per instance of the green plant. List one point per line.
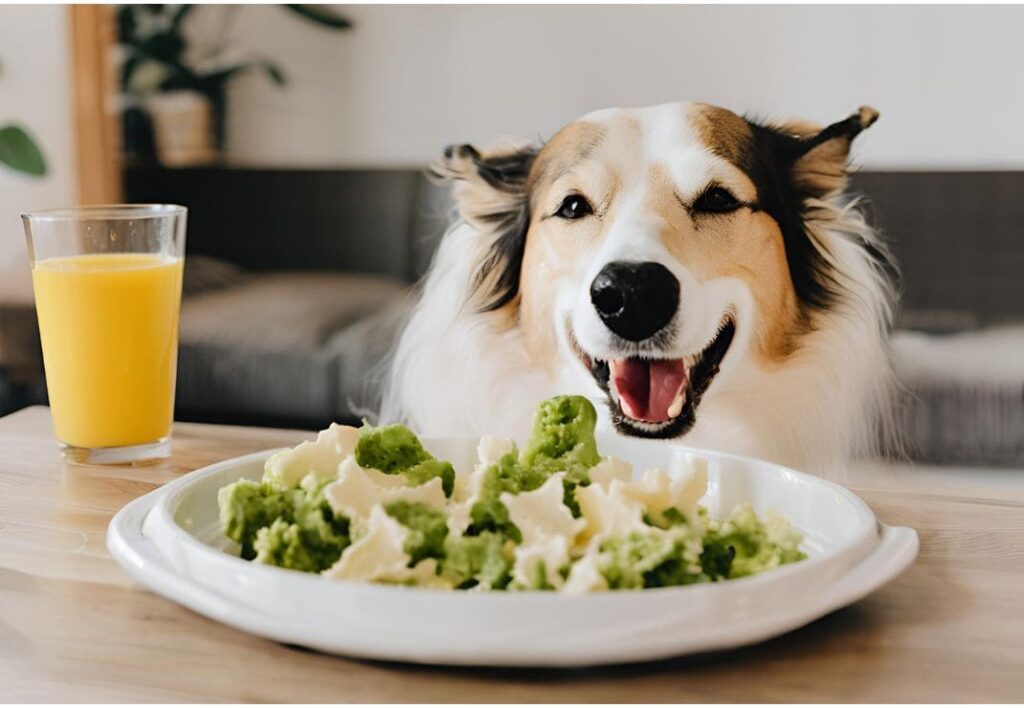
(19, 151)
(159, 57)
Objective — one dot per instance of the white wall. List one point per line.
(35, 93)
(408, 80)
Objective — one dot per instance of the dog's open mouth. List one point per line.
(658, 398)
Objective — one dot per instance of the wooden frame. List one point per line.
(96, 123)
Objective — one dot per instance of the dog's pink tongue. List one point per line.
(647, 389)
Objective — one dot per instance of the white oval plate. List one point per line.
(170, 541)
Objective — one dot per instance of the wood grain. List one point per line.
(73, 626)
(97, 125)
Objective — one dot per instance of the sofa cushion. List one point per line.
(20, 351)
(360, 354)
(204, 274)
(965, 402)
(260, 347)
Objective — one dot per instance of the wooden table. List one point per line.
(74, 626)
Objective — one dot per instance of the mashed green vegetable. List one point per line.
(428, 529)
(288, 527)
(394, 449)
(295, 526)
(482, 560)
(508, 475)
(646, 560)
(756, 545)
(563, 438)
(562, 441)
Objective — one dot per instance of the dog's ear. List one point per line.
(821, 156)
(793, 164)
(491, 192)
(488, 187)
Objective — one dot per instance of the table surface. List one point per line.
(74, 626)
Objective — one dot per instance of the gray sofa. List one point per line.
(962, 398)
(296, 283)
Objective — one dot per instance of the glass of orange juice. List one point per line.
(107, 283)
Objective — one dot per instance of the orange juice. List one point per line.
(109, 329)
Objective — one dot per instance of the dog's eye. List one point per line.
(574, 207)
(716, 200)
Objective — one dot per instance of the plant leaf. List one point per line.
(221, 75)
(126, 24)
(18, 151)
(321, 15)
(183, 12)
(275, 73)
(164, 46)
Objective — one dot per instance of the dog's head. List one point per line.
(657, 247)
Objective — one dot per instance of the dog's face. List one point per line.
(656, 248)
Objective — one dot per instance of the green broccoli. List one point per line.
(756, 545)
(508, 475)
(716, 558)
(284, 545)
(654, 559)
(563, 438)
(562, 441)
(292, 528)
(246, 507)
(477, 560)
(427, 526)
(394, 449)
(638, 560)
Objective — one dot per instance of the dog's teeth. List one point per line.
(677, 404)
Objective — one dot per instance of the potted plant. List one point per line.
(184, 90)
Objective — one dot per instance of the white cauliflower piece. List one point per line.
(542, 513)
(358, 491)
(379, 554)
(610, 511)
(658, 491)
(490, 450)
(537, 564)
(585, 576)
(460, 517)
(610, 469)
(320, 457)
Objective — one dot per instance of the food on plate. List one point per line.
(372, 504)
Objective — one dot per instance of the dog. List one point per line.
(705, 277)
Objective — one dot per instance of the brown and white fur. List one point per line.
(754, 223)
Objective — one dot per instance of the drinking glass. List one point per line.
(107, 282)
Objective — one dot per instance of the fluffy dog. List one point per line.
(703, 275)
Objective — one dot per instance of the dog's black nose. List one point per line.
(635, 300)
